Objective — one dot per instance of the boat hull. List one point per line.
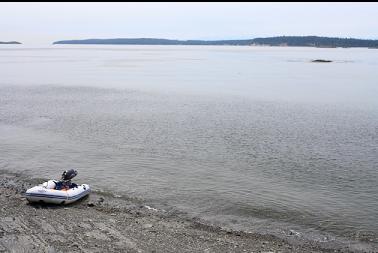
(52, 196)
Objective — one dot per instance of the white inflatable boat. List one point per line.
(40, 193)
(58, 192)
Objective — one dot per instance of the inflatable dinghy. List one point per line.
(58, 192)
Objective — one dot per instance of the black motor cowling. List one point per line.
(69, 174)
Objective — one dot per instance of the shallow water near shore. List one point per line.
(257, 139)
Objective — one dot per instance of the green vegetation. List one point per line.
(150, 41)
(307, 41)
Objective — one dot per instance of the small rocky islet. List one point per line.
(10, 42)
(321, 61)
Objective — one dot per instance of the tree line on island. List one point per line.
(296, 41)
(289, 41)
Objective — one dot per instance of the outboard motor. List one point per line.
(65, 182)
(69, 174)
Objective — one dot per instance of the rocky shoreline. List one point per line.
(101, 223)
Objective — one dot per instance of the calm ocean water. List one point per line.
(252, 138)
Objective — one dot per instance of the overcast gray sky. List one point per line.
(43, 23)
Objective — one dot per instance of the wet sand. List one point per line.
(101, 223)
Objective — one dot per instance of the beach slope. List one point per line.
(102, 223)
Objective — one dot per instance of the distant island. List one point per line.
(10, 42)
(321, 61)
(289, 41)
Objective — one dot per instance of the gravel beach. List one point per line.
(101, 223)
